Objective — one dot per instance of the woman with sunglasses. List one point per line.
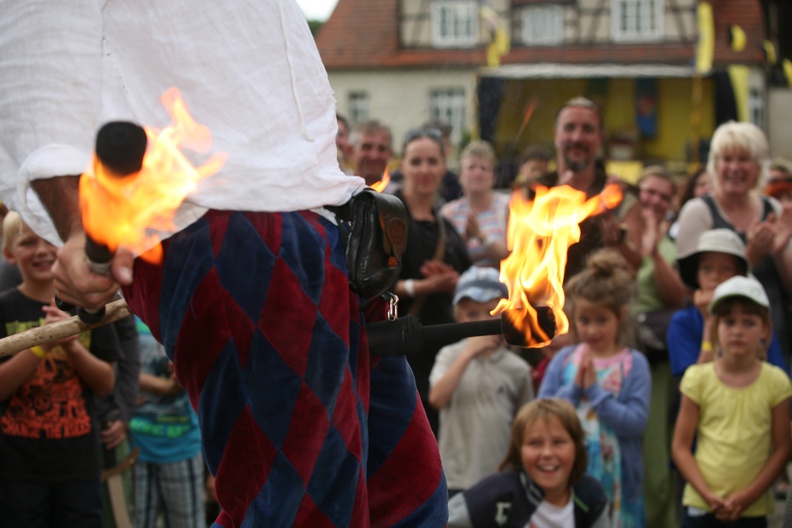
(435, 254)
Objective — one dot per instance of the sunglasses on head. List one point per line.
(419, 133)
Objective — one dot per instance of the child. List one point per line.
(720, 255)
(478, 385)
(608, 382)
(49, 442)
(542, 482)
(169, 475)
(738, 408)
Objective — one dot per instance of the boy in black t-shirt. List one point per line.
(49, 440)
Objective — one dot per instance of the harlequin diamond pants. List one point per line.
(301, 427)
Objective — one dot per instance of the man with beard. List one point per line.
(578, 135)
(371, 150)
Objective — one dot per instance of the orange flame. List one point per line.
(128, 211)
(380, 185)
(539, 235)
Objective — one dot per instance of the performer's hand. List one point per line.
(75, 283)
(114, 434)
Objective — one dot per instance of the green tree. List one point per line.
(315, 26)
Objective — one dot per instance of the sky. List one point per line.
(317, 9)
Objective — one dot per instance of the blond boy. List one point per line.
(49, 442)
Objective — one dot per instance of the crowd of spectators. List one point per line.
(651, 300)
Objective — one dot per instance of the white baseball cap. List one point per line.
(739, 286)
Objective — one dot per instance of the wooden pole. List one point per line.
(52, 332)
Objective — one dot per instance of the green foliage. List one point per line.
(315, 26)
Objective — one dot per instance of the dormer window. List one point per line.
(637, 20)
(455, 23)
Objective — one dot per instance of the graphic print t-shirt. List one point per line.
(47, 427)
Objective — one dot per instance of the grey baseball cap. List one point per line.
(481, 285)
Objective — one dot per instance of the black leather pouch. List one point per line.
(374, 227)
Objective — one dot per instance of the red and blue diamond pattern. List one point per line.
(300, 426)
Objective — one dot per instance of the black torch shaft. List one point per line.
(406, 335)
(120, 147)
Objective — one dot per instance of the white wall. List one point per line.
(779, 122)
(400, 99)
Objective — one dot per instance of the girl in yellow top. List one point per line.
(738, 408)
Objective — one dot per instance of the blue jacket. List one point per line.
(684, 336)
(626, 413)
(508, 499)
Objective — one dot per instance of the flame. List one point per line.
(380, 185)
(539, 235)
(127, 211)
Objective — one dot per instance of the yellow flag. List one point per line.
(706, 38)
(499, 43)
(786, 64)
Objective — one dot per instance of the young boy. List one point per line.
(169, 474)
(720, 255)
(49, 442)
(478, 386)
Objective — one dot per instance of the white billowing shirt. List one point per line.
(249, 70)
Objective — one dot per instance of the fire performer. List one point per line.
(251, 300)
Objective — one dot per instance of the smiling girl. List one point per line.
(542, 483)
(737, 407)
(608, 383)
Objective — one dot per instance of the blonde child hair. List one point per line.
(12, 228)
(543, 409)
(608, 280)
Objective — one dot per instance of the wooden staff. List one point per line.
(59, 330)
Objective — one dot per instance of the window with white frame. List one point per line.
(543, 25)
(637, 19)
(455, 23)
(448, 106)
(358, 106)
